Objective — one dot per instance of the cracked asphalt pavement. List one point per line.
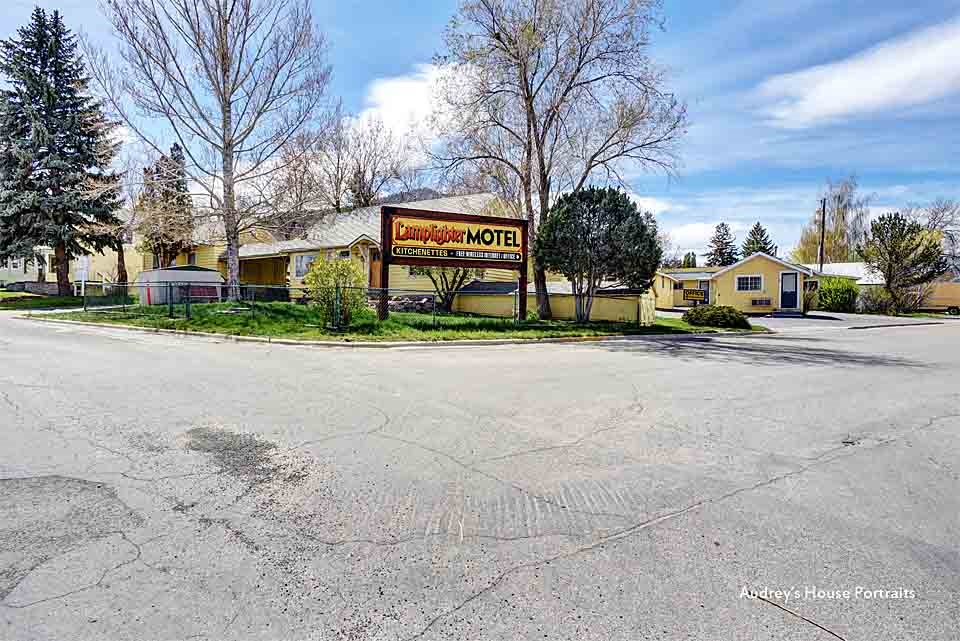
(158, 487)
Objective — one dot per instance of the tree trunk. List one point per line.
(230, 223)
(121, 263)
(63, 269)
(41, 269)
(539, 272)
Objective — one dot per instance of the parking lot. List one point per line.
(169, 488)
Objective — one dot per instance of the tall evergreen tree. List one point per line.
(689, 259)
(164, 210)
(723, 247)
(758, 241)
(56, 186)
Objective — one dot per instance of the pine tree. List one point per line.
(164, 210)
(689, 259)
(723, 247)
(56, 187)
(758, 241)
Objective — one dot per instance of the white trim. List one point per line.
(358, 239)
(797, 268)
(736, 283)
(659, 273)
(799, 291)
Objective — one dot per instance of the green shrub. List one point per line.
(874, 300)
(838, 295)
(338, 288)
(716, 316)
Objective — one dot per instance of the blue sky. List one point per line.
(782, 95)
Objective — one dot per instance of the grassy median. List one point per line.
(304, 322)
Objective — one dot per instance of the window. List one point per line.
(749, 283)
(4, 263)
(301, 264)
(811, 285)
(678, 285)
(344, 253)
(15, 264)
(192, 258)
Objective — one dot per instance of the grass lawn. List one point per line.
(6, 295)
(287, 320)
(21, 300)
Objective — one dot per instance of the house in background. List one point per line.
(208, 249)
(944, 294)
(101, 267)
(757, 284)
(356, 235)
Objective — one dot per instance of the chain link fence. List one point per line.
(336, 308)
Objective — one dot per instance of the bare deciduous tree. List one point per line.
(376, 161)
(554, 94)
(232, 80)
(333, 164)
(293, 198)
(942, 215)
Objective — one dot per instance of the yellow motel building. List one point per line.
(757, 284)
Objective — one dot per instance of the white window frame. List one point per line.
(739, 276)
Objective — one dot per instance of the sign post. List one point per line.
(438, 239)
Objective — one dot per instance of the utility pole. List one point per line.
(823, 231)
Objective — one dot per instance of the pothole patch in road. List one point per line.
(254, 461)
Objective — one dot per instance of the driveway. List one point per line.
(156, 487)
(815, 321)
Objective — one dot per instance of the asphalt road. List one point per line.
(156, 487)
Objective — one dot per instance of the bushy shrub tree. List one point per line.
(838, 295)
(338, 288)
(598, 236)
(907, 254)
(874, 300)
(716, 316)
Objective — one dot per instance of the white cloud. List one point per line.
(404, 103)
(912, 70)
(653, 205)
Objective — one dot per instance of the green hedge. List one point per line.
(716, 316)
(838, 295)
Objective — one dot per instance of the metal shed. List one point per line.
(176, 284)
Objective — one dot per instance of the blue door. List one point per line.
(788, 291)
(705, 286)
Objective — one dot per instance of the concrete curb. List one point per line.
(480, 342)
(879, 326)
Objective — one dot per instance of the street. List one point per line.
(160, 487)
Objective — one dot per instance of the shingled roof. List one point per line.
(344, 229)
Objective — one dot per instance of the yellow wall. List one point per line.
(264, 271)
(621, 308)
(501, 305)
(663, 292)
(400, 276)
(104, 266)
(724, 287)
(944, 296)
